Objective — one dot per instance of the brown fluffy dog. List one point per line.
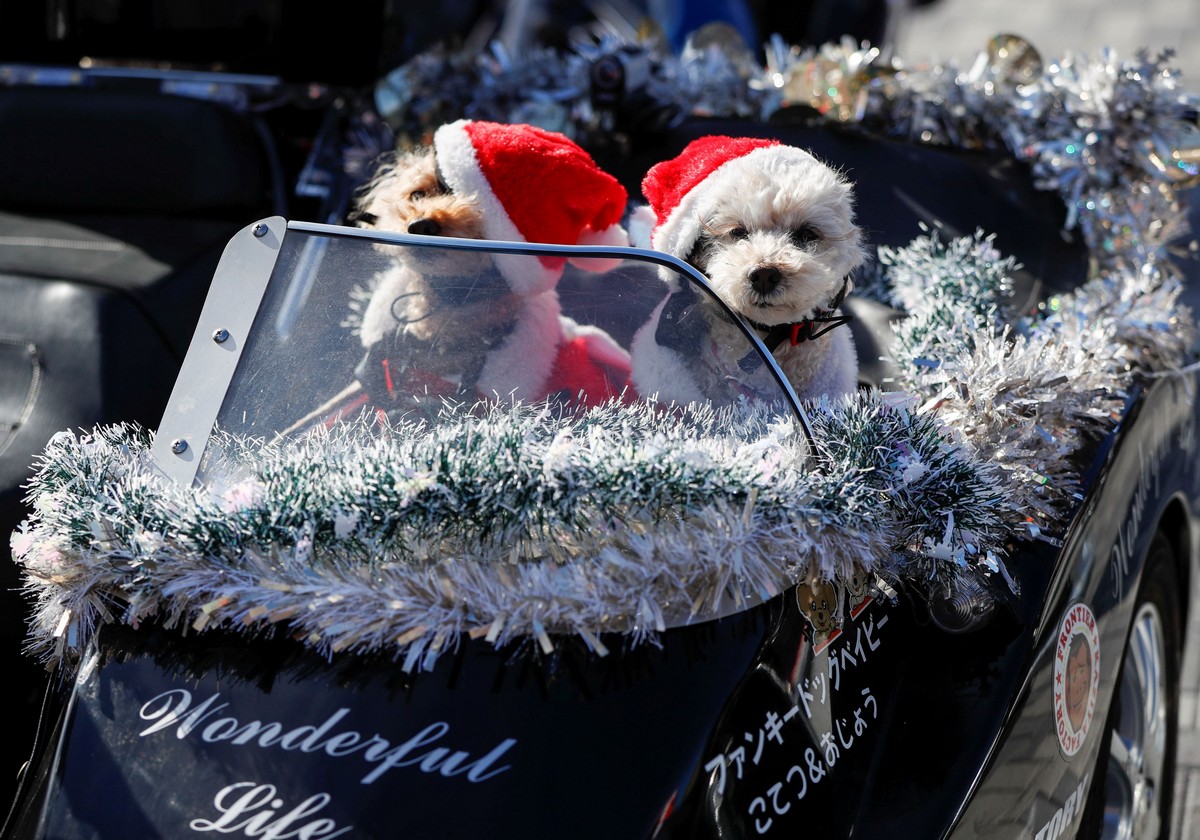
(441, 311)
(476, 323)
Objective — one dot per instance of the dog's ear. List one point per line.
(840, 297)
(361, 218)
(682, 326)
(697, 258)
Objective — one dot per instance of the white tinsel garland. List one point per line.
(510, 524)
(502, 522)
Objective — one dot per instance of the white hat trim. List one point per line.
(460, 167)
(680, 231)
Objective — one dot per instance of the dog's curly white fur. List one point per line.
(773, 230)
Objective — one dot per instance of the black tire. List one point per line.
(1132, 790)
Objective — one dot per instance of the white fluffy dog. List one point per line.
(773, 230)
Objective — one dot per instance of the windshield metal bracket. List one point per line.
(233, 301)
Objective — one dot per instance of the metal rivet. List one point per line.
(179, 446)
(260, 229)
(220, 335)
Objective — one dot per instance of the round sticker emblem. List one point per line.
(1076, 677)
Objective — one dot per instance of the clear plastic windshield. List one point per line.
(370, 333)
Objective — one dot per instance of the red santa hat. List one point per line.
(534, 186)
(706, 168)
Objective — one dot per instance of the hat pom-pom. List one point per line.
(642, 221)
(613, 235)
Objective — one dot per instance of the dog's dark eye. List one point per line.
(738, 233)
(803, 236)
(416, 195)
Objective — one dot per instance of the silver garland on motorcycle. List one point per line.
(990, 407)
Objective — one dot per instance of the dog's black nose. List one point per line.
(424, 227)
(764, 279)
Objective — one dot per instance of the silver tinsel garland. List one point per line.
(505, 523)
(510, 526)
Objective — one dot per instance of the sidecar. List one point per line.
(334, 590)
(317, 601)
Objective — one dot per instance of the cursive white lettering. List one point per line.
(175, 708)
(398, 757)
(258, 805)
(160, 708)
